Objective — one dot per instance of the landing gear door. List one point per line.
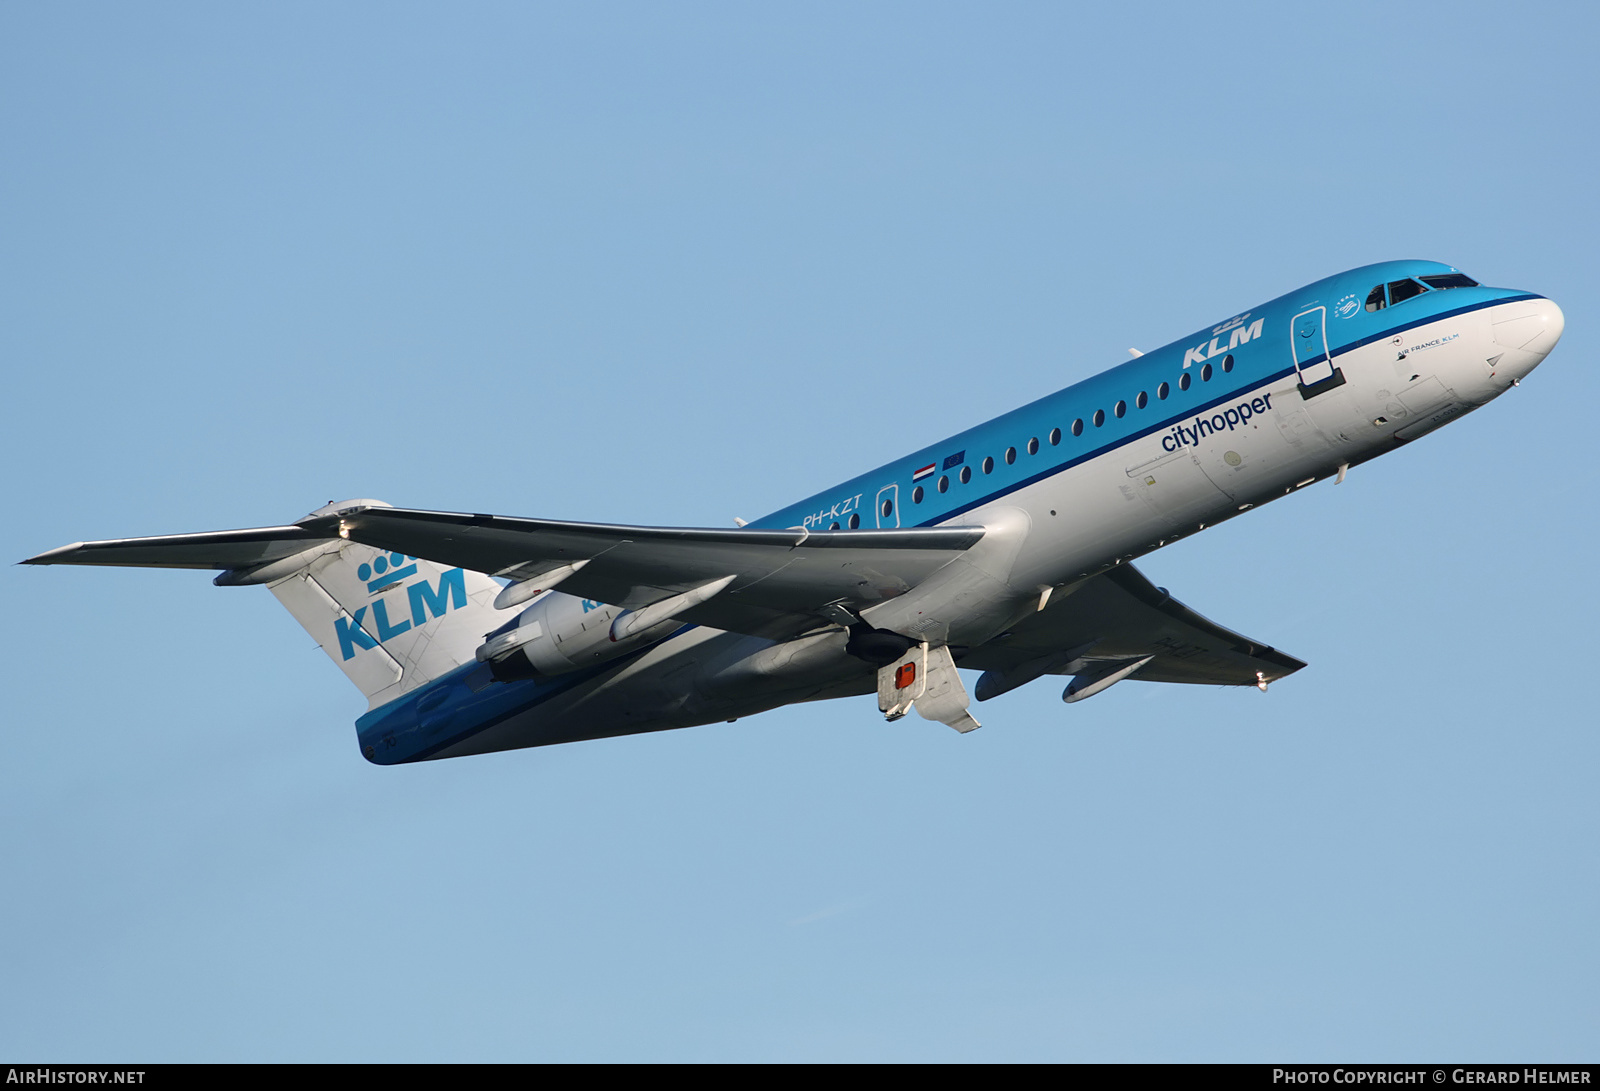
(1309, 332)
(888, 506)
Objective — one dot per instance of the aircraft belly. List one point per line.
(698, 677)
(647, 693)
(751, 676)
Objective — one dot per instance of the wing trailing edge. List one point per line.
(784, 582)
(1121, 618)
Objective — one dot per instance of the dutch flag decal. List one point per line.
(926, 471)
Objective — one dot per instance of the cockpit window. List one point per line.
(1402, 290)
(1375, 299)
(1450, 280)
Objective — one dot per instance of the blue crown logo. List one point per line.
(385, 571)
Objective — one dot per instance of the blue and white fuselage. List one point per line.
(1062, 494)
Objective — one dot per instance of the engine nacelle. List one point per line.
(561, 633)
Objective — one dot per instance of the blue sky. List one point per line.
(674, 264)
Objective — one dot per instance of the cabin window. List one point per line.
(1077, 427)
(944, 483)
(1142, 400)
(1055, 434)
(916, 495)
(855, 520)
(1011, 455)
(1402, 290)
(966, 474)
(1227, 362)
(834, 527)
(1450, 280)
(1162, 391)
(1205, 374)
(1099, 417)
(1120, 409)
(1033, 445)
(1375, 299)
(988, 465)
(1184, 380)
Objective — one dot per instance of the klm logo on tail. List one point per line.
(426, 600)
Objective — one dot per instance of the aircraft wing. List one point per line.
(784, 581)
(1122, 616)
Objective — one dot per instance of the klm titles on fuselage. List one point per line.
(1237, 333)
(1223, 420)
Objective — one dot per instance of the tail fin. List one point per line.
(389, 621)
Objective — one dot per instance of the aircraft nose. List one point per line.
(1555, 324)
(1524, 332)
(1533, 326)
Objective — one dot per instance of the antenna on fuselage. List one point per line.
(1135, 353)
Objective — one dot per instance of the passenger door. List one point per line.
(1310, 336)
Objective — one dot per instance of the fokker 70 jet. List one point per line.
(1005, 549)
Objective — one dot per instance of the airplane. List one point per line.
(1006, 549)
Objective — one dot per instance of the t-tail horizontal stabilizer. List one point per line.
(390, 621)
